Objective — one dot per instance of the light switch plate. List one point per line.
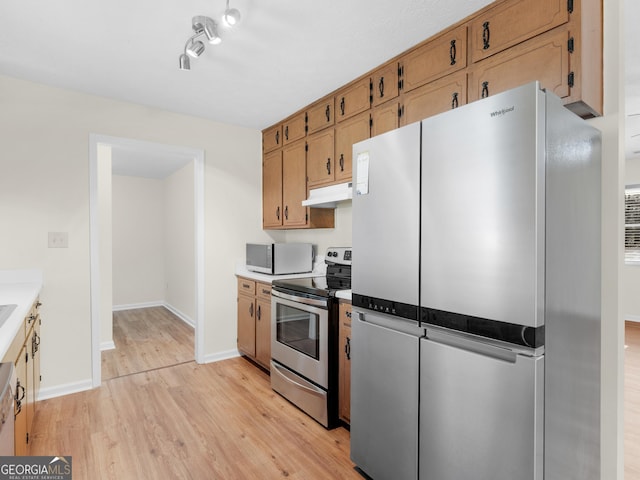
(58, 240)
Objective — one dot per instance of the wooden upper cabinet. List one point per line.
(544, 58)
(513, 22)
(320, 115)
(384, 84)
(385, 118)
(294, 128)
(272, 138)
(272, 212)
(353, 99)
(320, 164)
(349, 132)
(436, 97)
(441, 56)
(294, 184)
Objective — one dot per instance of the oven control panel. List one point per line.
(340, 255)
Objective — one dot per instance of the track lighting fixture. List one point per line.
(231, 16)
(202, 26)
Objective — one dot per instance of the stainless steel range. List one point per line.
(304, 338)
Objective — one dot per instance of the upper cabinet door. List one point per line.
(320, 115)
(445, 94)
(272, 212)
(320, 165)
(294, 184)
(348, 133)
(294, 128)
(354, 99)
(443, 55)
(272, 138)
(384, 84)
(544, 58)
(513, 22)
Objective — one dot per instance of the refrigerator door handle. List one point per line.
(476, 346)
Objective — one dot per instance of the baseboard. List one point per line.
(135, 306)
(632, 318)
(60, 390)
(185, 318)
(108, 345)
(217, 357)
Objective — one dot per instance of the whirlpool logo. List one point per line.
(503, 111)
(35, 468)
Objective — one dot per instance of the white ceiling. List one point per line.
(282, 56)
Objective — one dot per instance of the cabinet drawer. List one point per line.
(263, 291)
(514, 22)
(436, 97)
(320, 115)
(246, 286)
(544, 58)
(439, 57)
(272, 138)
(294, 129)
(354, 99)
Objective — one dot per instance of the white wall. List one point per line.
(44, 186)
(138, 240)
(323, 238)
(631, 274)
(179, 254)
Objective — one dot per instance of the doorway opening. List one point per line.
(126, 163)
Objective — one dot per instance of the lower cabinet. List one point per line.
(344, 363)
(254, 320)
(24, 353)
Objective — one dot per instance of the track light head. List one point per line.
(231, 16)
(185, 64)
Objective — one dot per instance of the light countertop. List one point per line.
(20, 287)
(344, 294)
(319, 270)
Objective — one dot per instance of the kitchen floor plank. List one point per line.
(632, 401)
(190, 421)
(145, 339)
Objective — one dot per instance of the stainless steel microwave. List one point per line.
(279, 258)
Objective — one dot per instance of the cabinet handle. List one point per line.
(454, 100)
(347, 348)
(348, 314)
(329, 166)
(35, 344)
(251, 310)
(327, 112)
(278, 213)
(452, 52)
(38, 305)
(342, 107)
(486, 34)
(342, 162)
(286, 132)
(278, 137)
(259, 312)
(286, 212)
(381, 87)
(485, 89)
(17, 398)
(266, 292)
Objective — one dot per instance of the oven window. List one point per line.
(298, 329)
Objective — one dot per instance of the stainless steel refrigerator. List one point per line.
(476, 293)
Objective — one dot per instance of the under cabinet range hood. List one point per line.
(328, 197)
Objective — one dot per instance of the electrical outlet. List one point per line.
(58, 240)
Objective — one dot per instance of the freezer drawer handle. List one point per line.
(473, 346)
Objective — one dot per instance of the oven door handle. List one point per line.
(294, 298)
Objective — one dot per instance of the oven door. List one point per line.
(299, 335)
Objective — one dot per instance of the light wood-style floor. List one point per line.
(190, 421)
(146, 339)
(632, 401)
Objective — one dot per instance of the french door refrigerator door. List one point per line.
(481, 411)
(386, 217)
(483, 209)
(384, 395)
